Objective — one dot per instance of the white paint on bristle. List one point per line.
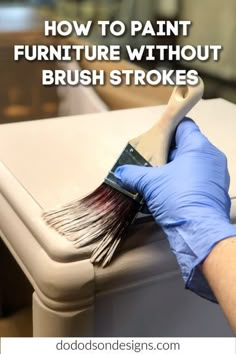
(103, 218)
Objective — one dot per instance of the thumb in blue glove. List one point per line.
(189, 198)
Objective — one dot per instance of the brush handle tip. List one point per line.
(154, 144)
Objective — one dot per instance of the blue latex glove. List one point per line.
(189, 198)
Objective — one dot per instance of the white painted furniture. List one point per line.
(48, 162)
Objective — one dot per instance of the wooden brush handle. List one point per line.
(154, 144)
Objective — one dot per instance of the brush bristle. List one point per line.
(103, 217)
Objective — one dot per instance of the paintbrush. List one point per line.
(103, 217)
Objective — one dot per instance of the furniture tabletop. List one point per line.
(58, 160)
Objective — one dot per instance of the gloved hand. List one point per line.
(189, 198)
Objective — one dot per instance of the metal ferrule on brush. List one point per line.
(129, 156)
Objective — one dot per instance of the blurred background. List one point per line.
(22, 97)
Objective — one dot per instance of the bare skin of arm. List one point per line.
(219, 269)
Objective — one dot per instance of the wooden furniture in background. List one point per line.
(22, 97)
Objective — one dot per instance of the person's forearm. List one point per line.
(220, 270)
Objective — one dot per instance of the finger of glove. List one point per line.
(189, 138)
(132, 177)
